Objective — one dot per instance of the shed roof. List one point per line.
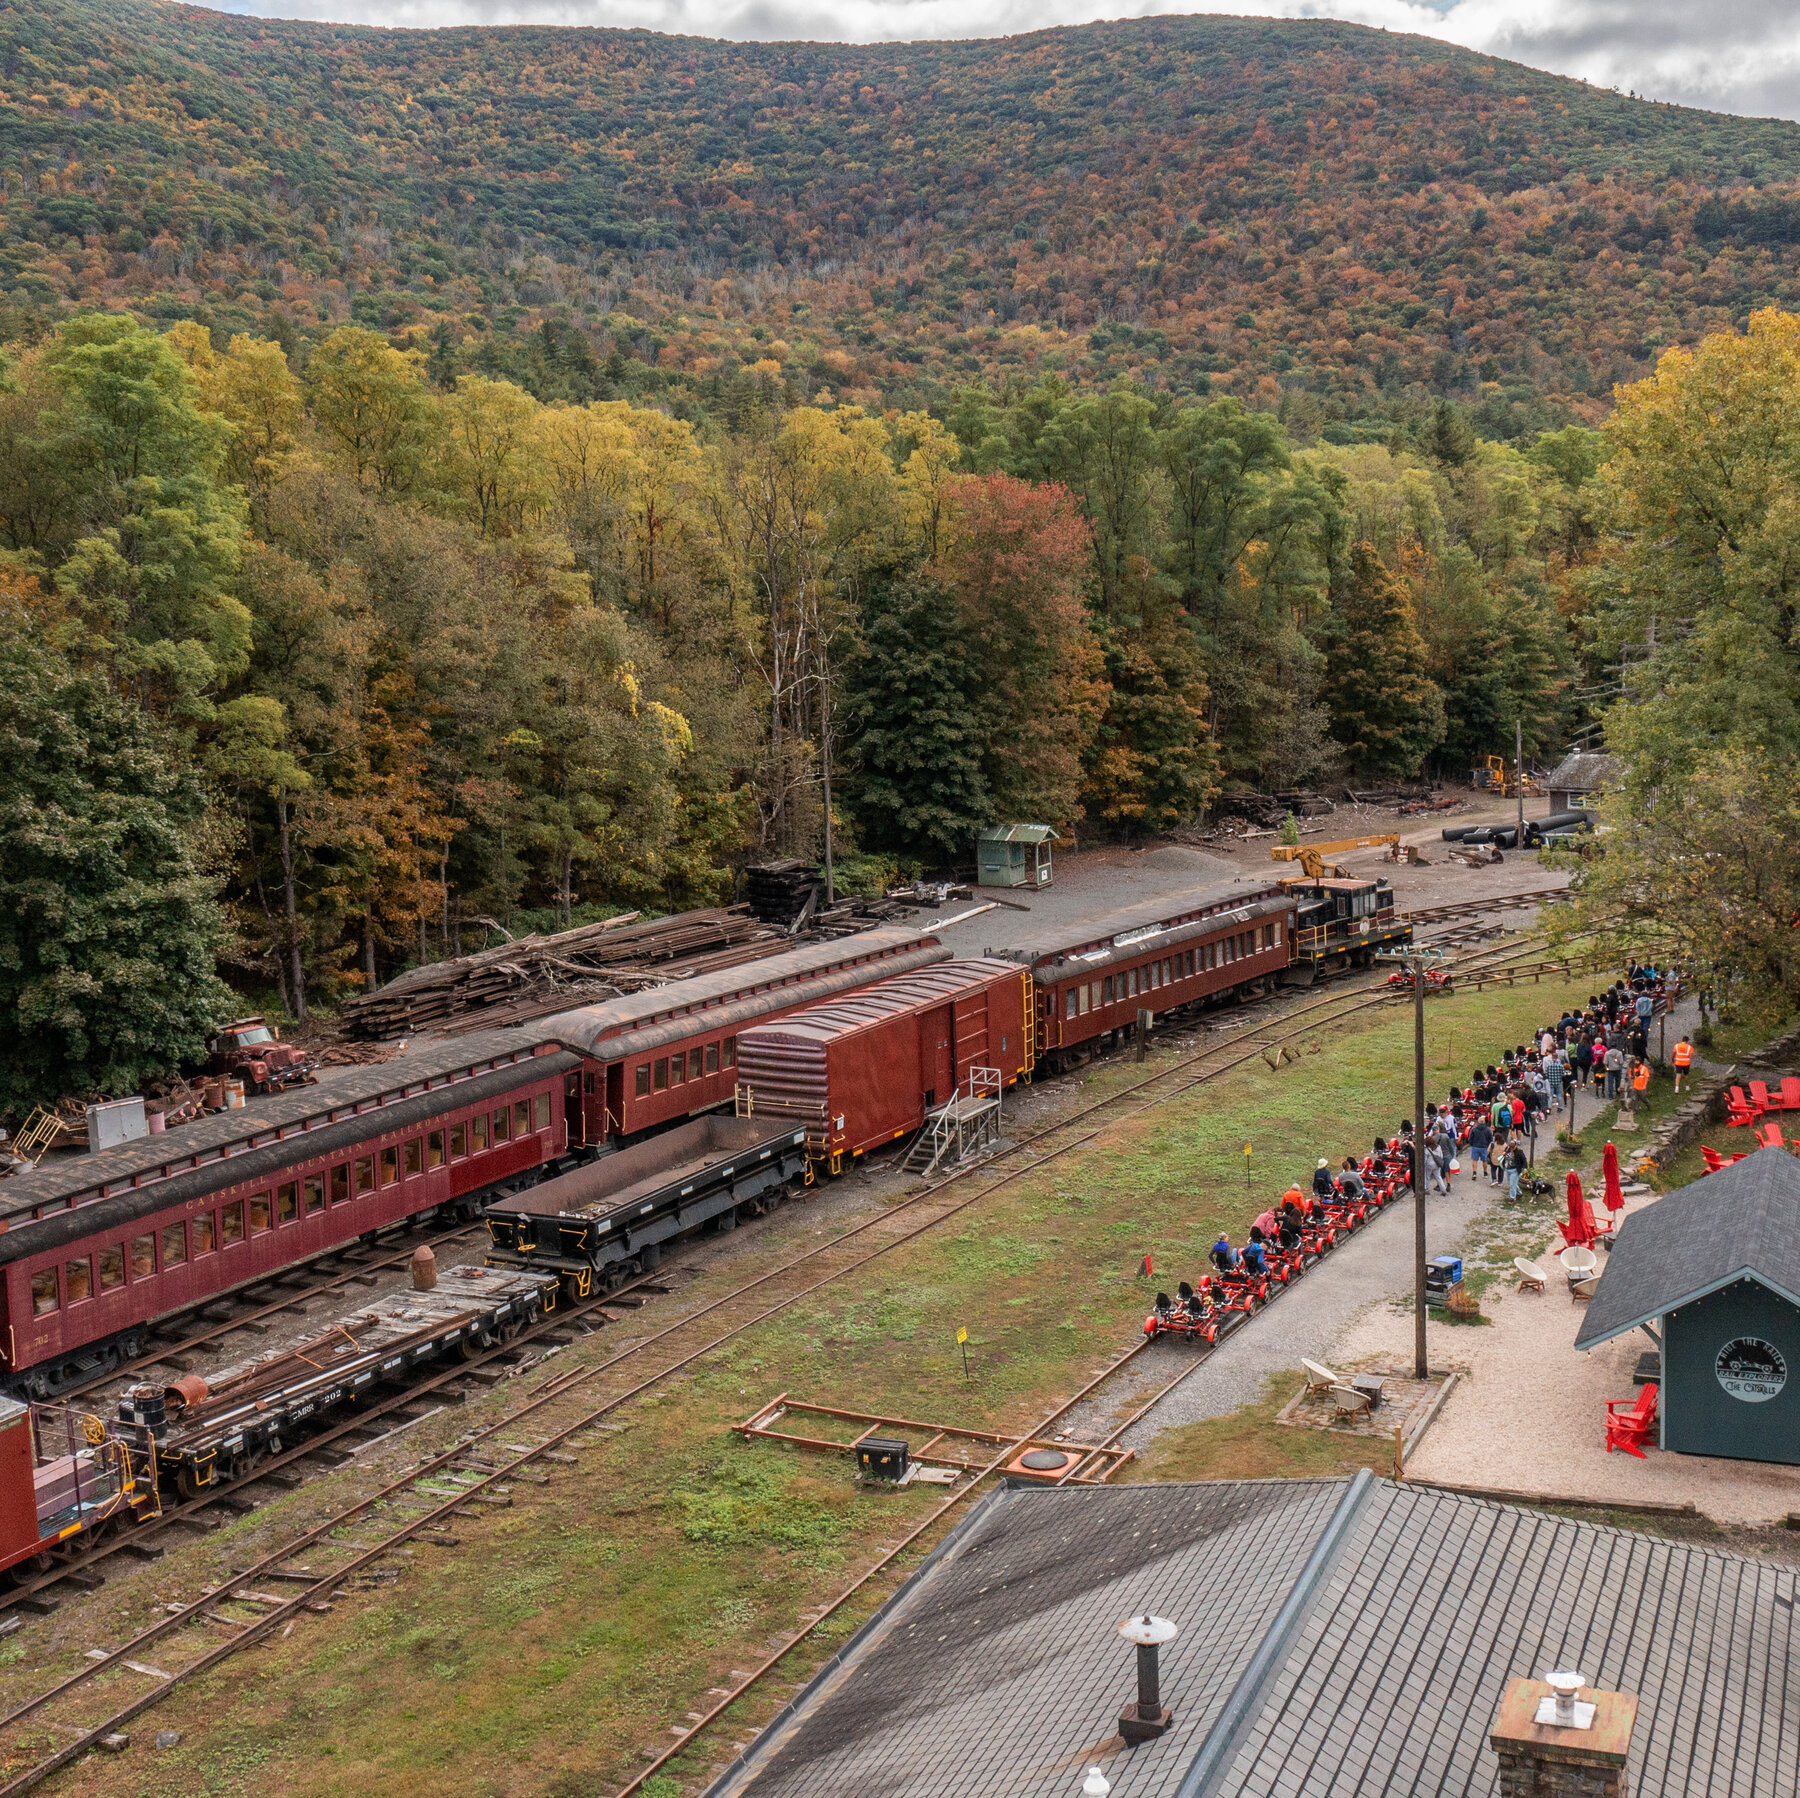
(1583, 771)
(1019, 833)
(1339, 1639)
(1676, 1250)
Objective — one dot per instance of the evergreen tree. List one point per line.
(919, 788)
(1384, 710)
(107, 926)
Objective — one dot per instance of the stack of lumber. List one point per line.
(784, 892)
(515, 981)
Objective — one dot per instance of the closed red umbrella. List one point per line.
(1609, 1162)
(1575, 1196)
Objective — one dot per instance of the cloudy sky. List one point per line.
(1733, 55)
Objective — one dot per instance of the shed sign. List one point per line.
(1751, 1369)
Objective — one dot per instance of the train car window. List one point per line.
(459, 1141)
(43, 1291)
(143, 1257)
(1275, 934)
(78, 1280)
(203, 1231)
(287, 1200)
(677, 1070)
(415, 1156)
(478, 1133)
(340, 1184)
(522, 1118)
(1155, 972)
(540, 1112)
(365, 1174)
(434, 1149)
(174, 1245)
(390, 1164)
(712, 1058)
(1190, 964)
(111, 1262)
(660, 1075)
(1069, 1003)
(502, 1124)
(231, 1224)
(315, 1194)
(641, 1081)
(262, 1213)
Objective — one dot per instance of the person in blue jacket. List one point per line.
(1254, 1259)
(1224, 1257)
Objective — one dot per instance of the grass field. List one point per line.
(566, 1636)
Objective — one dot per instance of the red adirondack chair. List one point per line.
(1614, 1193)
(1759, 1097)
(1631, 1423)
(1738, 1109)
(1581, 1230)
(1790, 1093)
(1770, 1135)
(1714, 1160)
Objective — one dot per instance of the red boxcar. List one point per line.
(864, 1070)
(660, 1057)
(1093, 979)
(98, 1247)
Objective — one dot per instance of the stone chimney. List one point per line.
(1560, 1738)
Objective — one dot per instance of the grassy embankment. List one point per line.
(565, 1635)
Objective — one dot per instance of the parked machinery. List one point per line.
(251, 1050)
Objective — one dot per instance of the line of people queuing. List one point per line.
(1602, 1046)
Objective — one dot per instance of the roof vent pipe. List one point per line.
(1095, 1785)
(1145, 1720)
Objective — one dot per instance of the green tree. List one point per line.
(1384, 710)
(919, 788)
(373, 408)
(108, 928)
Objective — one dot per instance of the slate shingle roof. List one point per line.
(998, 1669)
(1582, 771)
(1745, 1219)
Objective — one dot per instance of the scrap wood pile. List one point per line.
(512, 982)
(1403, 795)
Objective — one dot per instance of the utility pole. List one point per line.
(1420, 1370)
(1416, 961)
(1519, 775)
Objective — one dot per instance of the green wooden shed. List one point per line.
(1014, 855)
(1711, 1273)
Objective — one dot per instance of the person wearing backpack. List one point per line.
(1481, 1139)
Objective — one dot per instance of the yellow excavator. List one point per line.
(1495, 774)
(1311, 856)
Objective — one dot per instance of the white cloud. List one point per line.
(1738, 56)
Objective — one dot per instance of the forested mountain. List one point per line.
(1323, 217)
(448, 477)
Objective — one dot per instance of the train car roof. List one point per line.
(1088, 961)
(1149, 916)
(75, 1179)
(884, 999)
(587, 1027)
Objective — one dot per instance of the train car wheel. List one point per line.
(187, 1485)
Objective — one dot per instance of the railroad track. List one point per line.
(1468, 908)
(122, 1685)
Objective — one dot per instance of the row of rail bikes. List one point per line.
(1282, 1245)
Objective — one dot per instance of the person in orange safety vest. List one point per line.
(1684, 1060)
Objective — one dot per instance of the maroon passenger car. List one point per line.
(1093, 978)
(657, 1058)
(96, 1248)
(865, 1069)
